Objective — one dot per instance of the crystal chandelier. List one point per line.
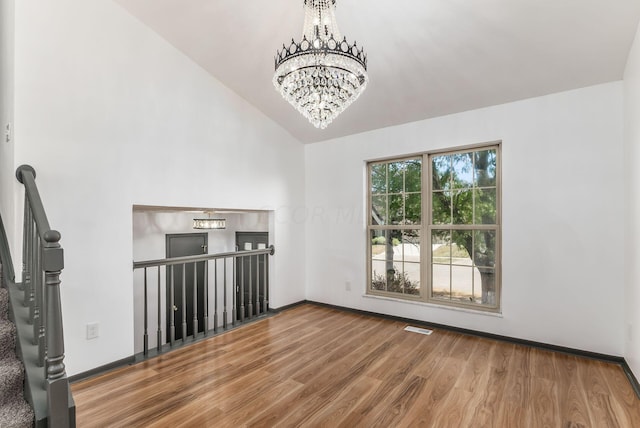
(209, 223)
(322, 74)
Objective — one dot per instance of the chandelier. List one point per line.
(209, 223)
(322, 74)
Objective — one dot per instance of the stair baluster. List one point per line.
(57, 383)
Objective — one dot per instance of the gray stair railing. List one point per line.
(42, 264)
(223, 291)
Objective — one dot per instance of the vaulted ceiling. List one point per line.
(426, 58)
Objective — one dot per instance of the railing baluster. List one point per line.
(33, 249)
(35, 269)
(32, 261)
(38, 319)
(57, 382)
(195, 300)
(206, 301)
(250, 308)
(42, 309)
(184, 302)
(264, 285)
(224, 292)
(30, 297)
(242, 290)
(31, 271)
(145, 339)
(215, 295)
(257, 285)
(172, 309)
(26, 252)
(159, 344)
(246, 304)
(234, 292)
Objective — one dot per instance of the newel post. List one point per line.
(57, 383)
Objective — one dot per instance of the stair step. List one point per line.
(7, 339)
(14, 410)
(16, 414)
(4, 303)
(12, 375)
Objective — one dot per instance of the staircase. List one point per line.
(31, 323)
(14, 410)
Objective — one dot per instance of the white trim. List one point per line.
(433, 305)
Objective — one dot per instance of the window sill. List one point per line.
(434, 305)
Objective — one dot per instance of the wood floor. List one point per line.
(314, 366)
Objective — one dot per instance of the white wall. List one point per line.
(149, 243)
(110, 116)
(632, 197)
(7, 170)
(562, 237)
(151, 227)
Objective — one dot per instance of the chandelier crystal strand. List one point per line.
(322, 74)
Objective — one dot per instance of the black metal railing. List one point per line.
(39, 316)
(238, 291)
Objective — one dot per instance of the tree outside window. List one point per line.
(396, 213)
(460, 225)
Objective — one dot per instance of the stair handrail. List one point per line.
(43, 256)
(202, 257)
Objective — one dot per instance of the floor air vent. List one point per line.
(418, 330)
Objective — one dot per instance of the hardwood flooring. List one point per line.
(319, 367)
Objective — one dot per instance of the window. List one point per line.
(396, 215)
(453, 217)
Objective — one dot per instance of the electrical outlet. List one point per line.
(347, 286)
(93, 330)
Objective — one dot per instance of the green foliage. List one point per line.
(463, 193)
(379, 240)
(464, 188)
(395, 282)
(395, 189)
(379, 178)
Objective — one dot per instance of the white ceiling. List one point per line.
(426, 58)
